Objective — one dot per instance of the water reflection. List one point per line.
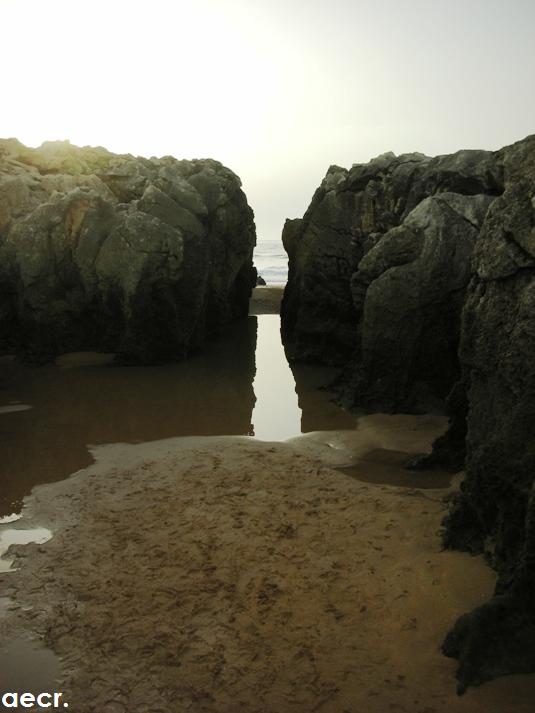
(290, 400)
(209, 394)
(276, 415)
(318, 410)
(14, 536)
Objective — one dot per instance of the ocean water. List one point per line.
(271, 262)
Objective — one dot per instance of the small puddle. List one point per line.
(37, 535)
(16, 675)
(13, 408)
(25, 666)
(389, 467)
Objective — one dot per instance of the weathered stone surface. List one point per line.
(381, 258)
(409, 291)
(143, 257)
(437, 295)
(495, 512)
(316, 311)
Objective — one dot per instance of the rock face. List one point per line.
(380, 259)
(143, 257)
(495, 512)
(417, 275)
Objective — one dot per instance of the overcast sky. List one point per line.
(277, 90)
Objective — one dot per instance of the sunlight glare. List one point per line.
(133, 76)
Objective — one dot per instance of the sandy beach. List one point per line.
(226, 575)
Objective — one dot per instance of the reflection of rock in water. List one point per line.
(210, 394)
(319, 412)
(276, 415)
(384, 466)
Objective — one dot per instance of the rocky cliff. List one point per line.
(381, 258)
(495, 512)
(105, 252)
(417, 275)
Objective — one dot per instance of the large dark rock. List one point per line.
(378, 266)
(433, 295)
(408, 291)
(143, 257)
(495, 512)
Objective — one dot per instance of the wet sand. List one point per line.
(226, 575)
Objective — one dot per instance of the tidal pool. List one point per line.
(13, 536)
(241, 384)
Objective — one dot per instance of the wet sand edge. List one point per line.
(222, 565)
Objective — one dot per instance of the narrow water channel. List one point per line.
(276, 414)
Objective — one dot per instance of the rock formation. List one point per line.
(417, 276)
(495, 512)
(381, 258)
(105, 252)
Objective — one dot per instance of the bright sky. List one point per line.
(276, 89)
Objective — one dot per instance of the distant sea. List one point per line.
(271, 261)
